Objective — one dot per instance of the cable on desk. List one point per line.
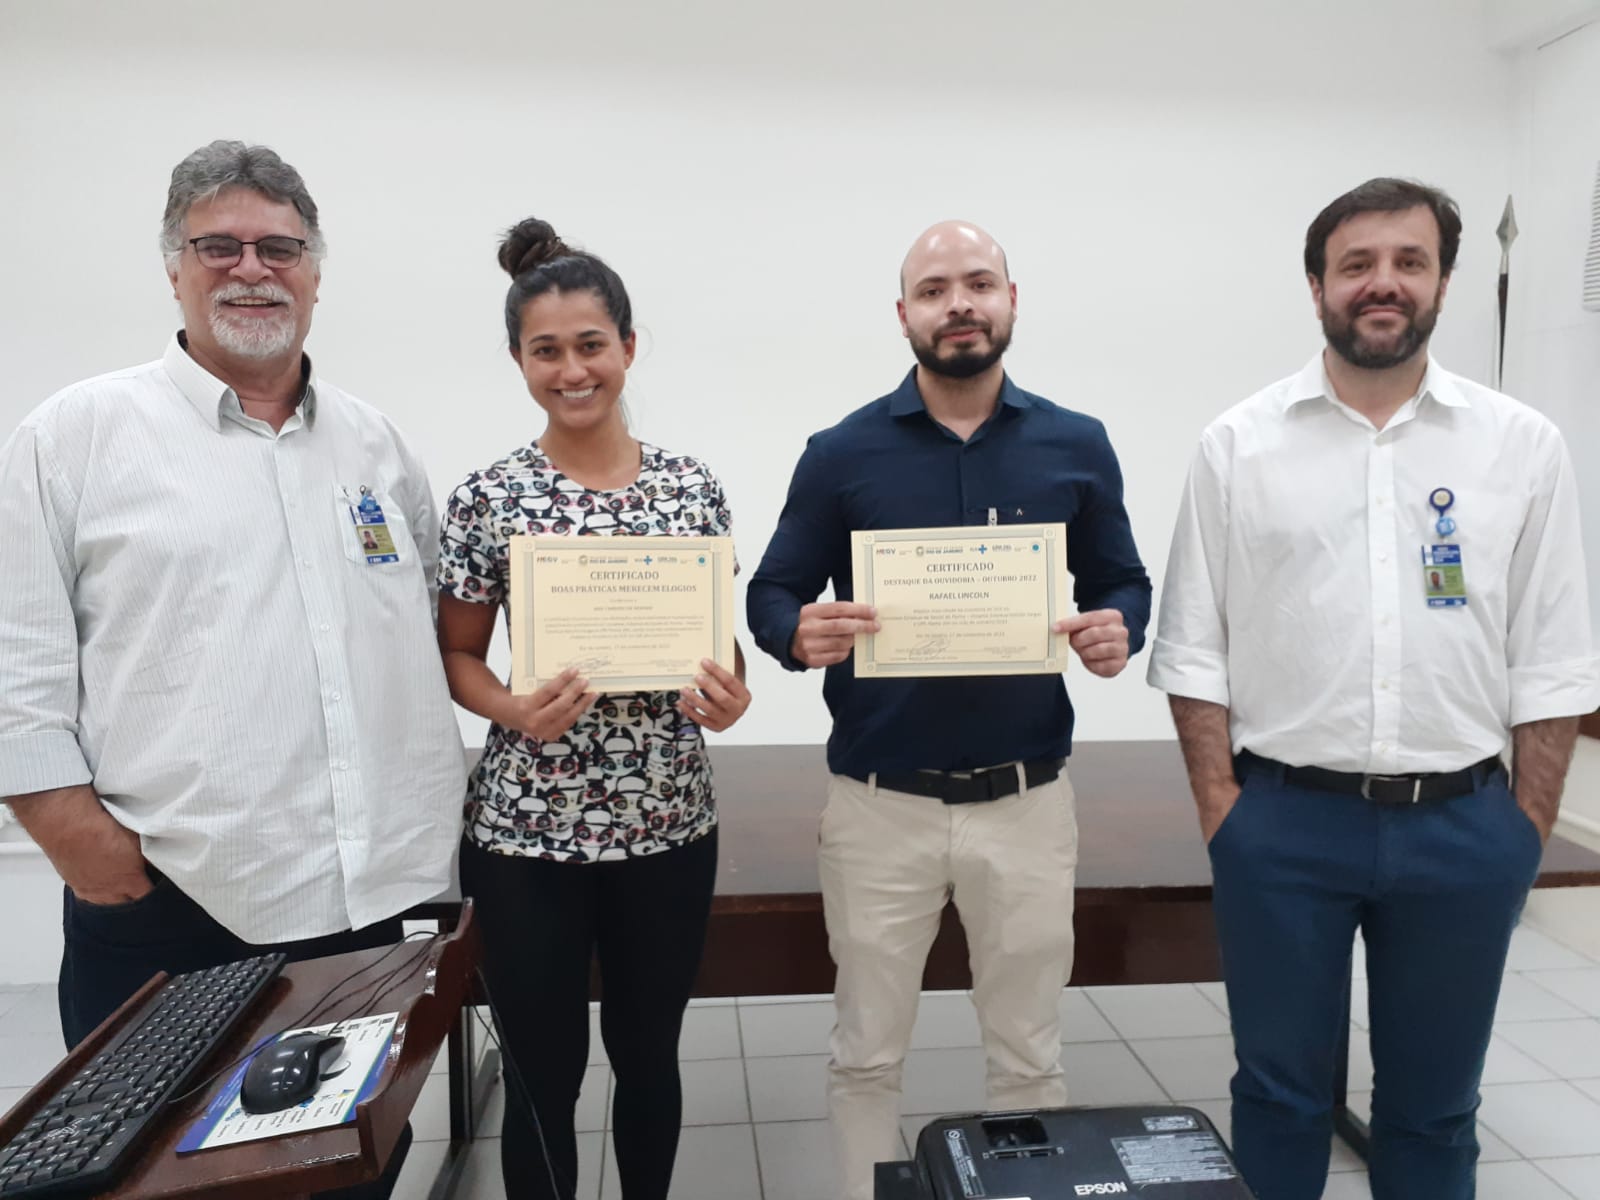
(315, 1010)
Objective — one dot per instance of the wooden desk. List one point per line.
(429, 997)
(1144, 878)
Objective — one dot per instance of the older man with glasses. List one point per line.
(222, 715)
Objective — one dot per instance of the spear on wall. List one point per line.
(1506, 231)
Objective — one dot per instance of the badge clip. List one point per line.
(1440, 499)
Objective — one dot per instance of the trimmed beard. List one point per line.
(255, 337)
(1356, 350)
(966, 362)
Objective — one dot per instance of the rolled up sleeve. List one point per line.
(38, 633)
(1189, 656)
(1550, 653)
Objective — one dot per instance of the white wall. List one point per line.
(1553, 345)
(1525, 25)
(756, 178)
(756, 173)
(30, 901)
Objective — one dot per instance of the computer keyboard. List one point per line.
(76, 1144)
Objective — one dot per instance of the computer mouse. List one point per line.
(285, 1073)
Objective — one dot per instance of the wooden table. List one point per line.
(1144, 878)
(428, 992)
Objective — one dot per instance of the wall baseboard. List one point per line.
(1585, 830)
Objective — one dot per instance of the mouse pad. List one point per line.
(344, 1084)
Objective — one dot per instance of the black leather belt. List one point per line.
(1381, 789)
(970, 787)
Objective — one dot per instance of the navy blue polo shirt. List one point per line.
(892, 466)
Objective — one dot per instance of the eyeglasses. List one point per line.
(219, 250)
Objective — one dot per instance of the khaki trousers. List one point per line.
(889, 861)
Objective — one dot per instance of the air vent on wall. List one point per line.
(1591, 265)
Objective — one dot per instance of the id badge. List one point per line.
(372, 531)
(1443, 583)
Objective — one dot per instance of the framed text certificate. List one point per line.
(968, 600)
(632, 614)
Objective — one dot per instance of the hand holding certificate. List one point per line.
(626, 613)
(968, 600)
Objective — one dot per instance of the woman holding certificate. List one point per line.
(590, 827)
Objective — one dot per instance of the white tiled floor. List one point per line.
(755, 1121)
(754, 1072)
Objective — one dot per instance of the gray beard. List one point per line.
(260, 339)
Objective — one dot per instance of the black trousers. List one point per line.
(112, 950)
(543, 923)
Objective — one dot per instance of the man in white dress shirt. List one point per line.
(222, 715)
(1376, 576)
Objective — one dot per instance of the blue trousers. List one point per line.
(1436, 890)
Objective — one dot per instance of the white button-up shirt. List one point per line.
(1295, 587)
(189, 622)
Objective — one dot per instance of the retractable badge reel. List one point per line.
(1443, 583)
(1442, 499)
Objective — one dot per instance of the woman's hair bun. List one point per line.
(529, 244)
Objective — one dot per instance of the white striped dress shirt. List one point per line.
(189, 623)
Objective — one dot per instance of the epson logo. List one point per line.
(1101, 1189)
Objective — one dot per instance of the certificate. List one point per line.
(969, 600)
(632, 614)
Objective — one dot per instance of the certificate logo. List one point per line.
(583, 560)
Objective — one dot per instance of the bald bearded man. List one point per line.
(947, 787)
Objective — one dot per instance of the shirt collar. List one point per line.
(1312, 384)
(907, 398)
(213, 399)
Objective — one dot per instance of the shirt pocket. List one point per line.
(366, 544)
(1489, 524)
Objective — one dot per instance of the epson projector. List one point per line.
(1159, 1152)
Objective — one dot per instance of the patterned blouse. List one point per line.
(631, 777)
